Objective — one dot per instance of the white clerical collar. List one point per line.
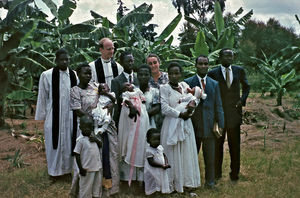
(105, 61)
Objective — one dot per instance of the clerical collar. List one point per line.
(105, 61)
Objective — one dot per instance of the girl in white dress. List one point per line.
(133, 126)
(182, 155)
(156, 162)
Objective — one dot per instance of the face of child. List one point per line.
(174, 75)
(86, 126)
(127, 87)
(103, 88)
(143, 75)
(154, 140)
(85, 75)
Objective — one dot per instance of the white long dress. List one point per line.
(59, 161)
(132, 138)
(183, 156)
(156, 179)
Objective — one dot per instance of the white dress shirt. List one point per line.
(224, 73)
(200, 80)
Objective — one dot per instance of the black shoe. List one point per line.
(210, 186)
(234, 178)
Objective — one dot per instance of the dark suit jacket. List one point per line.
(208, 110)
(116, 86)
(230, 96)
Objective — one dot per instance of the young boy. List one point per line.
(87, 154)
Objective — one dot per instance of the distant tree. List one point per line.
(198, 7)
(270, 37)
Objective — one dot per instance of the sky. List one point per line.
(164, 11)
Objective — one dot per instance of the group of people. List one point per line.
(142, 129)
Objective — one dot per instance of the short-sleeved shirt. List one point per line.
(89, 154)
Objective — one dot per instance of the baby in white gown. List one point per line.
(188, 103)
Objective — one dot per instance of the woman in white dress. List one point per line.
(183, 155)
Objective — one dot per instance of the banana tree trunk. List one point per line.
(279, 97)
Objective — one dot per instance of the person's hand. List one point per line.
(82, 172)
(109, 108)
(221, 130)
(238, 104)
(166, 166)
(133, 113)
(185, 115)
(192, 91)
(92, 138)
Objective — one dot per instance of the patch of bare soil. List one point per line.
(27, 137)
(266, 123)
(262, 121)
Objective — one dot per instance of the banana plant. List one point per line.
(209, 44)
(278, 72)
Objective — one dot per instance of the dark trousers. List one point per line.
(105, 156)
(234, 140)
(208, 148)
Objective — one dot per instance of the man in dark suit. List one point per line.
(127, 62)
(230, 77)
(206, 114)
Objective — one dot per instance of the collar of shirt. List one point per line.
(66, 71)
(105, 61)
(202, 78)
(127, 75)
(224, 68)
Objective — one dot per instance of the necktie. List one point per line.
(106, 61)
(130, 79)
(227, 78)
(203, 84)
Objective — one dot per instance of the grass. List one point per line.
(270, 172)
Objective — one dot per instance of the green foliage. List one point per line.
(16, 160)
(278, 72)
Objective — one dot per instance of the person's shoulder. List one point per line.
(213, 70)
(237, 67)
(189, 79)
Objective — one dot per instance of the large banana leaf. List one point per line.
(30, 64)
(45, 25)
(201, 26)
(168, 30)
(137, 18)
(8, 22)
(39, 57)
(98, 16)
(20, 95)
(226, 40)
(66, 9)
(218, 17)
(200, 46)
(15, 40)
(52, 6)
(243, 20)
(77, 28)
(288, 77)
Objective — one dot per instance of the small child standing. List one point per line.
(87, 154)
(104, 128)
(156, 162)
